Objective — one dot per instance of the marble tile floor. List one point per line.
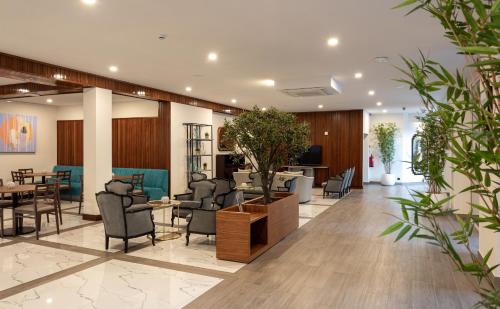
(116, 284)
(23, 262)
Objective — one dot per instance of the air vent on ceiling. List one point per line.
(309, 92)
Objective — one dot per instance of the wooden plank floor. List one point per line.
(337, 260)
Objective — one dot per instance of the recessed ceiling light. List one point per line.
(371, 92)
(23, 90)
(333, 41)
(234, 101)
(212, 56)
(89, 2)
(320, 106)
(264, 109)
(358, 75)
(268, 82)
(49, 101)
(9, 101)
(140, 93)
(59, 76)
(189, 89)
(384, 111)
(379, 103)
(113, 68)
(162, 36)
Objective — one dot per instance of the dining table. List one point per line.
(17, 223)
(43, 175)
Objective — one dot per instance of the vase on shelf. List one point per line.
(205, 166)
(207, 136)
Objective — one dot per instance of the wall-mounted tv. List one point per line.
(312, 156)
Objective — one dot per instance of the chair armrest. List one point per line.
(190, 204)
(183, 197)
(282, 189)
(202, 221)
(139, 199)
(138, 207)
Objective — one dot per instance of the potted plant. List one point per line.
(268, 139)
(431, 158)
(385, 134)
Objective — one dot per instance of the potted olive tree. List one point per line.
(268, 139)
(385, 134)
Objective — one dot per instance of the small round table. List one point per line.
(166, 235)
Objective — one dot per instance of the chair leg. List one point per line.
(173, 217)
(60, 211)
(57, 220)
(107, 242)
(48, 220)
(80, 207)
(153, 236)
(38, 220)
(187, 239)
(126, 245)
(1, 222)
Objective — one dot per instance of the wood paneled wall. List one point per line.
(343, 146)
(137, 142)
(70, 142)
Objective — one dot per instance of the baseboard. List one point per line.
(90, 217)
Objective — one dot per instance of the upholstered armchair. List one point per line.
(125, 188)
(198, 176)
(201, 196)
(123, 219)
(336, 185)
(290, 185)
(223, 188)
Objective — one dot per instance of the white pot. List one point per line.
(388, 179)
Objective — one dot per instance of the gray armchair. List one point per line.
(337, 184)
(202, 196)
(289, 186)
(202, 221)
(123, 216)
(223, 188)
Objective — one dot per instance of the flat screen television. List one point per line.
(312, 156)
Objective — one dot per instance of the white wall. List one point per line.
(182, 113)
(45, 156)
(132, 109)
(407, 125)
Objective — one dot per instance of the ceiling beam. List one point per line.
(41, 73)
(24, 90)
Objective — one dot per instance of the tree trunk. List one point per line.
(265, 187)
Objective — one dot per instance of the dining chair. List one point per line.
(138, 183)
(64, 179)
(17, 177)
(27, 171)
(45, 201)
(4, 203)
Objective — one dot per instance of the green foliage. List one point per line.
(386, 138)
(470, 115)
(431, 159)
(268, 139)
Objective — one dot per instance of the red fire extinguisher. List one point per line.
(371, 161)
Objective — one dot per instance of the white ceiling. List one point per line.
(8, 81)
(259, 39)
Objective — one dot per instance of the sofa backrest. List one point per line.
(76, 171)
(154, 178)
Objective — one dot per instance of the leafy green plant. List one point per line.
(471, 115)
(385, 133)
(431, 159)
(268, 139)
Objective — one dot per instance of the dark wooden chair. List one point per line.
(138, 183)
(4, 203)
(45, 201)
(27, 171)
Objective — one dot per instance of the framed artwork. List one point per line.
(224, 144)
(17, 133)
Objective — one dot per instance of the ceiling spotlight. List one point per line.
(268, 82)
(89, 2)
(9, 101)
(384, 111)
(113, 68)
(333, 41)
(379, 103)
(264, 109)
(140, 93)
(212, 56)
(381, 59)
(371, 92)
(23, 90)
(49, 101)
(358, 75)
(189, 89)
(59, 76)
(234, 101)
(162, 36)
(320, 106)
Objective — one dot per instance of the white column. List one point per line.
(97, 144)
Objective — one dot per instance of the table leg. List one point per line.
(43, 179)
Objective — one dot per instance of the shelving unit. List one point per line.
(199, 149)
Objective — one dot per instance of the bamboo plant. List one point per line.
(470, 115)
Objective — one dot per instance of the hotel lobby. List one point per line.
(266, 154)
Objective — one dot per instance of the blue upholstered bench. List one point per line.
(155, 180)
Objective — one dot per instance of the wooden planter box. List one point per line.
(243, 236)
